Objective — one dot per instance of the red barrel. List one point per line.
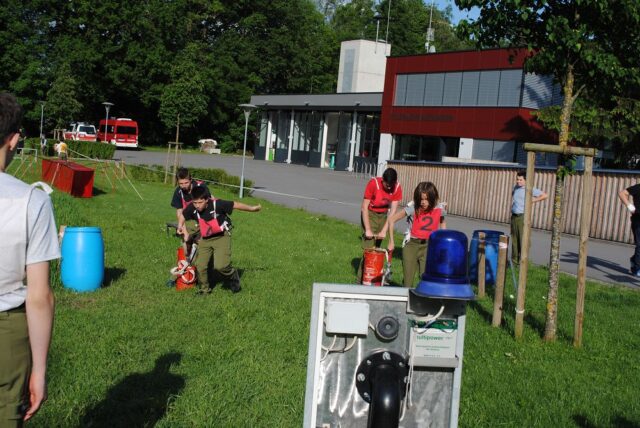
(373, 270)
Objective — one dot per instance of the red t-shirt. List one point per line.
(425, 223)
(380, 199)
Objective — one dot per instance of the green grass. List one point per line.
(136, 352)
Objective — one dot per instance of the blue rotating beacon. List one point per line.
(445, 275)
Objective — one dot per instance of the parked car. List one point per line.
(81, 131)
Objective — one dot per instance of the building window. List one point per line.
(510, 88)
(401, 89)
(469, 94)
(487, 88)
(452, 89)
(433, 89)
(415, 90)
(264, 126)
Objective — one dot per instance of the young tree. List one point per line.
(185, 95)
(584, 44)
(62, 102)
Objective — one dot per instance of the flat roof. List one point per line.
(348, 101)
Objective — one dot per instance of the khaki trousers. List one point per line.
(15, 366)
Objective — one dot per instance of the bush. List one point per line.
(90, 149)
(213, 177)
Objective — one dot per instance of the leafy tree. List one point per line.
(613, 127)
(62, 103)
(584, 44)
(408, 24)
(185, 95)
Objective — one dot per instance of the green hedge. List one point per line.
(91, 149)
(214, 177)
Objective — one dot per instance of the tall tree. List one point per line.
(62, 99)
(584, 44)
(185, 96)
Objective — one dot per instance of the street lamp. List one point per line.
(247, 112)
(107, 106)
(42, 103)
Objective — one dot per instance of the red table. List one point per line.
(69, 177)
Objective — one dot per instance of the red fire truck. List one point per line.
(121, 132)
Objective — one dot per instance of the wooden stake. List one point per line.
(585, 224)
(482, 263)
(166, 164)
(526, 238)
(503, 246)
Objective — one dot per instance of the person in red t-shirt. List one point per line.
(426, 216)
(381, 197)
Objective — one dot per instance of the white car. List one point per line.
(81, 131)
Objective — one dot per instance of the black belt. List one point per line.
(516, 215)
(20, 308)
(419, 241)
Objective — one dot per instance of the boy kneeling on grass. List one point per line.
(212, 223)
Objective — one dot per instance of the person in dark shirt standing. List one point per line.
(213, 223)
(633, 191)
(182, 194)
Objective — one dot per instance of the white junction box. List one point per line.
(435, 346)
(347, 318)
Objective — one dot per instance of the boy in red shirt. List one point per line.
(380, 201)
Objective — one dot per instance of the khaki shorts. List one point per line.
(15, 366)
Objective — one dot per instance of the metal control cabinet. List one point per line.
(347, 361)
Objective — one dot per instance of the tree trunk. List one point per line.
(554, 256)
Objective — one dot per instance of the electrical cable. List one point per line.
(408, 401)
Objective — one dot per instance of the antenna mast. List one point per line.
(428, 46)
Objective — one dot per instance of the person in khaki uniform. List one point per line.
(28, 241)
(212, 223)
(426, 216)
(380, 201)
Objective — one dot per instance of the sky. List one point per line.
(457, 13)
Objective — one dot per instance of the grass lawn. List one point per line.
(136, 353)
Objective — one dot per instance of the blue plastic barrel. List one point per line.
(82, 267)
(491, 239)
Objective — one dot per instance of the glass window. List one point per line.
(282, 130)
(469, 93)
(452, 87)
(87, 130)
(344, 133)
(415, 89)
(538, 91)
(434, 89)
(488, 88)
(510, 88)
(263, 126)
(316, 129)
(401, 89)
(129, 130)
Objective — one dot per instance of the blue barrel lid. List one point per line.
(488, 233)
(86, 229)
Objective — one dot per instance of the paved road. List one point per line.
(338, 194)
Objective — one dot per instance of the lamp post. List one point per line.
(42, 103)
(107, 106)
(247, 112)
